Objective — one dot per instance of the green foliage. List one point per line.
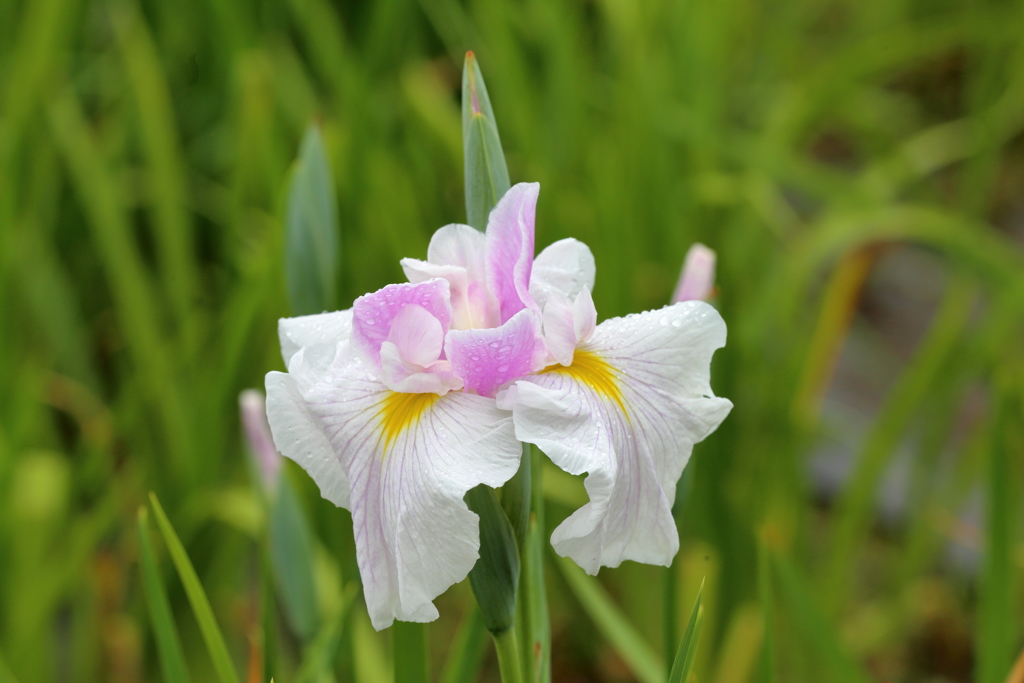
(291, 555)
(495, 577)
(215, 645)
(149, 207)
(312, 236)
(687, 651)
(613, 624)
(485, 170)
(172, 658)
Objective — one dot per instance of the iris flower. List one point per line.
(625, 402)
(390, 407)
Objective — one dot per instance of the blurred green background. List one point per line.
(857, 165)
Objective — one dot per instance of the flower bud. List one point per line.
(697, 281)
(257, 434)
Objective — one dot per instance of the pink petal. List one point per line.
(486, 359)
(373, 313)
(399, 375)
(698, 276)
(509, 249)
(417, 335)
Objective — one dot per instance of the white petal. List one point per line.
(415, 536)
(559, 332)
(566, 266)
(313, 330)
(458, 245)
(298, 435)
(628, 411)
(584, 315)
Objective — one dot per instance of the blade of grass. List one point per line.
(410, 648)
(215, 644)
(318, 656)
(467, 651)
(687, 651)
(136, 304)
(766, 597)
(996, 636)
(5, 672)
(172, 657)
(856, 504)
(814, 630)
(644, 662)
(166, 177)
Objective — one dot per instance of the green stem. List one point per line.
(507, 646)
(410, 646)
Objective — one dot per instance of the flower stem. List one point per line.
(507, 647)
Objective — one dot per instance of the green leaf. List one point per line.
(515, 498)
(168, 643)
(5, 672)
(645, 664)
(467, 650)
(687, 651)
(215, 644)
(486, 173)
(996, 596)
(814, 630)
(311, 250)
(766, 598)
(316, 662)
(410, 648)
(495, 577)
(917, 381)
(291, 555)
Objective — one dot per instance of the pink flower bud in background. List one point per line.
(257, 434)
(697, 280)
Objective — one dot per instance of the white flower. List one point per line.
(389, 406)
(626, 402)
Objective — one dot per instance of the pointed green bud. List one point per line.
(515, 498)
(486, 173)
(311, 245)
(495, 577)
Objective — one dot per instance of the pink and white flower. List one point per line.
(625, 403)
(389, 406)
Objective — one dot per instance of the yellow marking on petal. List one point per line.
(400, 411)
(590, 369)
